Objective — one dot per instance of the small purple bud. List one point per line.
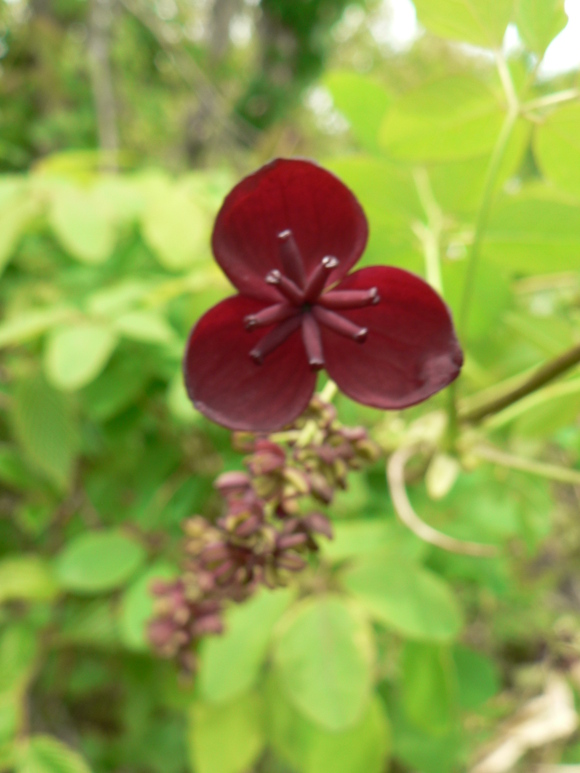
(319, 524)
(291, 541)
(235, 482)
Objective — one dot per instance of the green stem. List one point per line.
(543, 470)
(489, 187)
(551, 99)
(483, 214)
(430, 235)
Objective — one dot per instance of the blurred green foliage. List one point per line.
(389, 653)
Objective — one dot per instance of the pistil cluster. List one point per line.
(304, 304)
(270, 526)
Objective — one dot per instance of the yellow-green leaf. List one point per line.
(557, 147)
(480, 22)
(82, 224)
(323, 657)
(74, 356)
(174, 226)
(27, 578)
(539, 21)
(448, 119)
(226, 738)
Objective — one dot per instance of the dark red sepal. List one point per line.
(287, 194)
(410, 351)
(229, 387)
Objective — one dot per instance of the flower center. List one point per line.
(304, 304)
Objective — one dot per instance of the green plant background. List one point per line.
(388, 653)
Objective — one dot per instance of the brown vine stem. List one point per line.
(396, 479)
(542, 376)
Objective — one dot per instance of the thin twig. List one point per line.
(233, 126)
(102, 80)
(551, 99)
(396, 479)
(542, 376)
(542, 469)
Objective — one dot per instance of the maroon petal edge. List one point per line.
(411, 350)
(322, 213)
(226, 385)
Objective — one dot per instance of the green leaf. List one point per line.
(46, 754)
(74, 356)
(480, 22)
(453, 118)
(477, 676)
(230, 664)
(429, 687)
(547, 416)
(112, 300)
(491, 299)
(44, 426)
(323, 657)
(364, 747)
(30, 324)
(10, 710)
(15, 217)
(362, 100)
(178, 402)
(99, 561)
(27, 578)
(137, 606)
(389, 198)
(427, 753)
(557, 147)
(82, 224)
(539, 21)
(458, 186)
(533, 233)
(174, 226)
(406, 597)
(117, 387)
(146, 326)
(360, 537)
(19, 646)
(226, 738)
(310, 748)
(89, 624)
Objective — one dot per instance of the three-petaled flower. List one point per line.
(286, 237)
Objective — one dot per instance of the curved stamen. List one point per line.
(318, 278)
(340, 325)
(286, 287)
(291, 258)
(312, 342)
(274, 338)
(278, 312)
(349, 299)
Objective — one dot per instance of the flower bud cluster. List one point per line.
(266, 531)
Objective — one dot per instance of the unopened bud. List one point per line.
(297, 480)
(231, 483)
(287, 541)
(319, 524)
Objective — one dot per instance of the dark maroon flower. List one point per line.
(286, 237)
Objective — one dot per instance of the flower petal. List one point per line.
(411, 350)
(229, 387)
(287, 194)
